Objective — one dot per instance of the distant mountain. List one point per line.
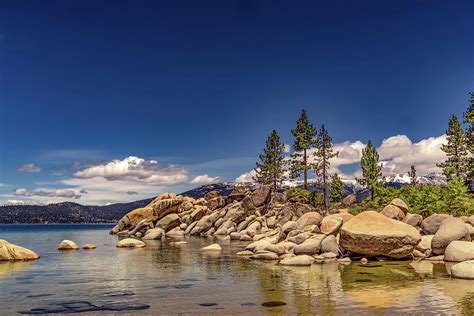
(68, 212)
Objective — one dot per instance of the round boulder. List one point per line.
(373, 234)
(399, 203)
(393, 212)
(451, 229)
(431, 224)
(459, 251)
(68, 245)
(463, 270)
(302, 260)
(130, 243)
(310, 218)
(89, 247)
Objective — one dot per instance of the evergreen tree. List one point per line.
(371, 170)
(305, 135)
(270, 171)
(456, 151)
(324, 152)
(412, 175)
(337, 189)
(469, 120)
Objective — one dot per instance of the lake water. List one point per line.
(182, 279)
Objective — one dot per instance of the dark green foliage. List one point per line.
(371, 169)
(270, 171)
(324, 152)
(314, 198)
(456, 151)
(337, 189)
(412, 175)
(469, 120)
(425, 200)
(305, 134)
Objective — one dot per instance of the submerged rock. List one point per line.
(11, 252)
(373, 234)
(130, 243)
(212, 247)
(89, 247)
(68, 245)
(302, 260)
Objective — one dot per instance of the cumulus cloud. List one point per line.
(29, 168)
(246, 177)
(136, 169)
(132, 192)
(204, 179)
(63, 193)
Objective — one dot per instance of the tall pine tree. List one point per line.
(305, 134)
(412, 175)
(469, 120)
(337, 189)
(456, 151)
(324, 152)
(271, 169)
(371, 169)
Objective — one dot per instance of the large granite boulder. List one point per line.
(310, 246)
(450, 230)
(430, 225)
(463, 270)
(169, 222)
(153, 234)
(413, 219)
(11, 252)
(261, 195)
(331, 225)
(311, 218)
(373, 234)
(400, 204)
(459, 251)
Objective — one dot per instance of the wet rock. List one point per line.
(301, 260)
(431, 224)
(11, 252)
(155, 233)
(310, 246)
(264, 255)
(215, 247)
(373, 234)
(68, 245)
(345, 260)
(463, 270)
(451, 229)
(459, 251)
(364, 260)
(130, 243)
(89, 247)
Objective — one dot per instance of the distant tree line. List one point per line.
(274, 168)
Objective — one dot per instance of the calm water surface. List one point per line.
(182, 279)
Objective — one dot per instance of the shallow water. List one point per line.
(182, 279)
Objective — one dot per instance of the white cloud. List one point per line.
(287, 148)
(204, 179)
(246, 177)
(136, 169)
(29, 168)
(62, 193)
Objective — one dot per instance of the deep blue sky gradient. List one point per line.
(190, 82)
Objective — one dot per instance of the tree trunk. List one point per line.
(371, 193)
(305, 171)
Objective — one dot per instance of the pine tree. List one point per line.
(337, 189)
(305, 135)
(270, 171)
(456, 151)
(412, 175)
(324, 152)
(469, 120)
(371, 170)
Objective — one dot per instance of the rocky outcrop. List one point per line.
(451, 229)
(11, 252)
(373, 234)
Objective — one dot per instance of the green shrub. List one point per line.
(250, 210)
(314, 198)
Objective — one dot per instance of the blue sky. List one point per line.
(198, 85)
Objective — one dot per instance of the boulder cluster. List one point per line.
(293, 232)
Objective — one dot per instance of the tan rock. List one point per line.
(463, 270)
(393, 212)
(89, 247)
(214, 247)
(311, 218)
(302, 260)
(373, 234)
(130, 243)
(459, 251)
(399, 203)
(11, 252)
(451, 229)
(68, 245)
